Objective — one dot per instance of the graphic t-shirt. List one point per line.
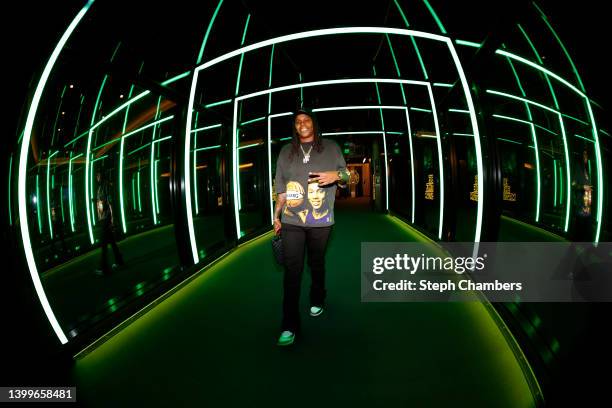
(308, 204)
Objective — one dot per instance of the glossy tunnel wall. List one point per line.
(188, 140)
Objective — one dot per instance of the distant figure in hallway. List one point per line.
(104, 211)
(307, 171)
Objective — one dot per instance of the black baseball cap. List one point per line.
(303, 111)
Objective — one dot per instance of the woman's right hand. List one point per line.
(277, 227)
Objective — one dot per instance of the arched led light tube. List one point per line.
(215, 126)
(363, 132)
(49, 193)
(468, 43)
(10, 176)
(195, 150)
(210, 25)
(23, 157)
(120, 175)
(89, 205)
(212, 105)
(153, 168)
(440, 159)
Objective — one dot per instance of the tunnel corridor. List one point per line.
(457, 124)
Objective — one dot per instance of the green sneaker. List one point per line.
(315, 310)
(286, 338)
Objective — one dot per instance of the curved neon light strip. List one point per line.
(49, 194)
(567, 169)
(210, 25)
(435, 17)
(411, 163)
(186, 172)
(440, 159)
(195, 170)
(468, 43)
(320, 33)
(476, 133)
(363, 132)
(235, 169)
(384, 135)
(552, 92)
(270, 80)
(552, 30)
(152, 166)
(414, 44)
(382, 124)
(120, 175)
(535, 141)
(270, 192)
(218, 125)
(38, 204)
(397, 70)
(537, 55)
(10, 176)
(23, 157)
(70, 189)
(89, 171)
(334, 82)
(235, 135)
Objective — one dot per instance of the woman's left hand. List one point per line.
(324, 178)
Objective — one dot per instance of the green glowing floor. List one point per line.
(213, 343)
(513, 230)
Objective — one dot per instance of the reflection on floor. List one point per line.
(77, 294)
(213, 342)
(513, 230)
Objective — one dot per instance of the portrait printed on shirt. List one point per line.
(314, 210)
(319, 206)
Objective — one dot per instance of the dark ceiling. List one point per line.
(168, 37)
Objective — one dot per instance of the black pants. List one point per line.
(295, 239)
(108, 237)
